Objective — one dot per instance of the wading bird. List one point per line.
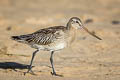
(52, 39)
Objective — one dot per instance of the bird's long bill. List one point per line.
(91, 33)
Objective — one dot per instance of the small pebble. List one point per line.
(9, 28)
(88, 21)
(115, 22)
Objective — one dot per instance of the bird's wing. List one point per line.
(45, 36)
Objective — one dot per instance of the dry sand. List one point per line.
(87, 59)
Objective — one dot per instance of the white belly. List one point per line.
(59, 46)
(51, 47)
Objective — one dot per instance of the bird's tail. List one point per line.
(21, 38)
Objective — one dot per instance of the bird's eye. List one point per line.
(77, 22)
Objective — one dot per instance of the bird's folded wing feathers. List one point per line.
(44, 36)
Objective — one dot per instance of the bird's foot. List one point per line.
(54, 74)
(29, 71)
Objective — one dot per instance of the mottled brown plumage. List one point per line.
(46, 36)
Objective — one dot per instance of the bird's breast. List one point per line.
(71, 36)
(51, 47)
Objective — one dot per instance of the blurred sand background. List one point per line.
(87, 59)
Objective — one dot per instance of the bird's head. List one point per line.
(76, 23)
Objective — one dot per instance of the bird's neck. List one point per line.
(72, 33)
(68, 26)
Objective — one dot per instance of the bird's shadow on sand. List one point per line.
(12, 65)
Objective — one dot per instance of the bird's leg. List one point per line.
(52, 64)
(30, 66)
(51, 61)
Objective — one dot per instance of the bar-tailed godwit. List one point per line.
(52, 39)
